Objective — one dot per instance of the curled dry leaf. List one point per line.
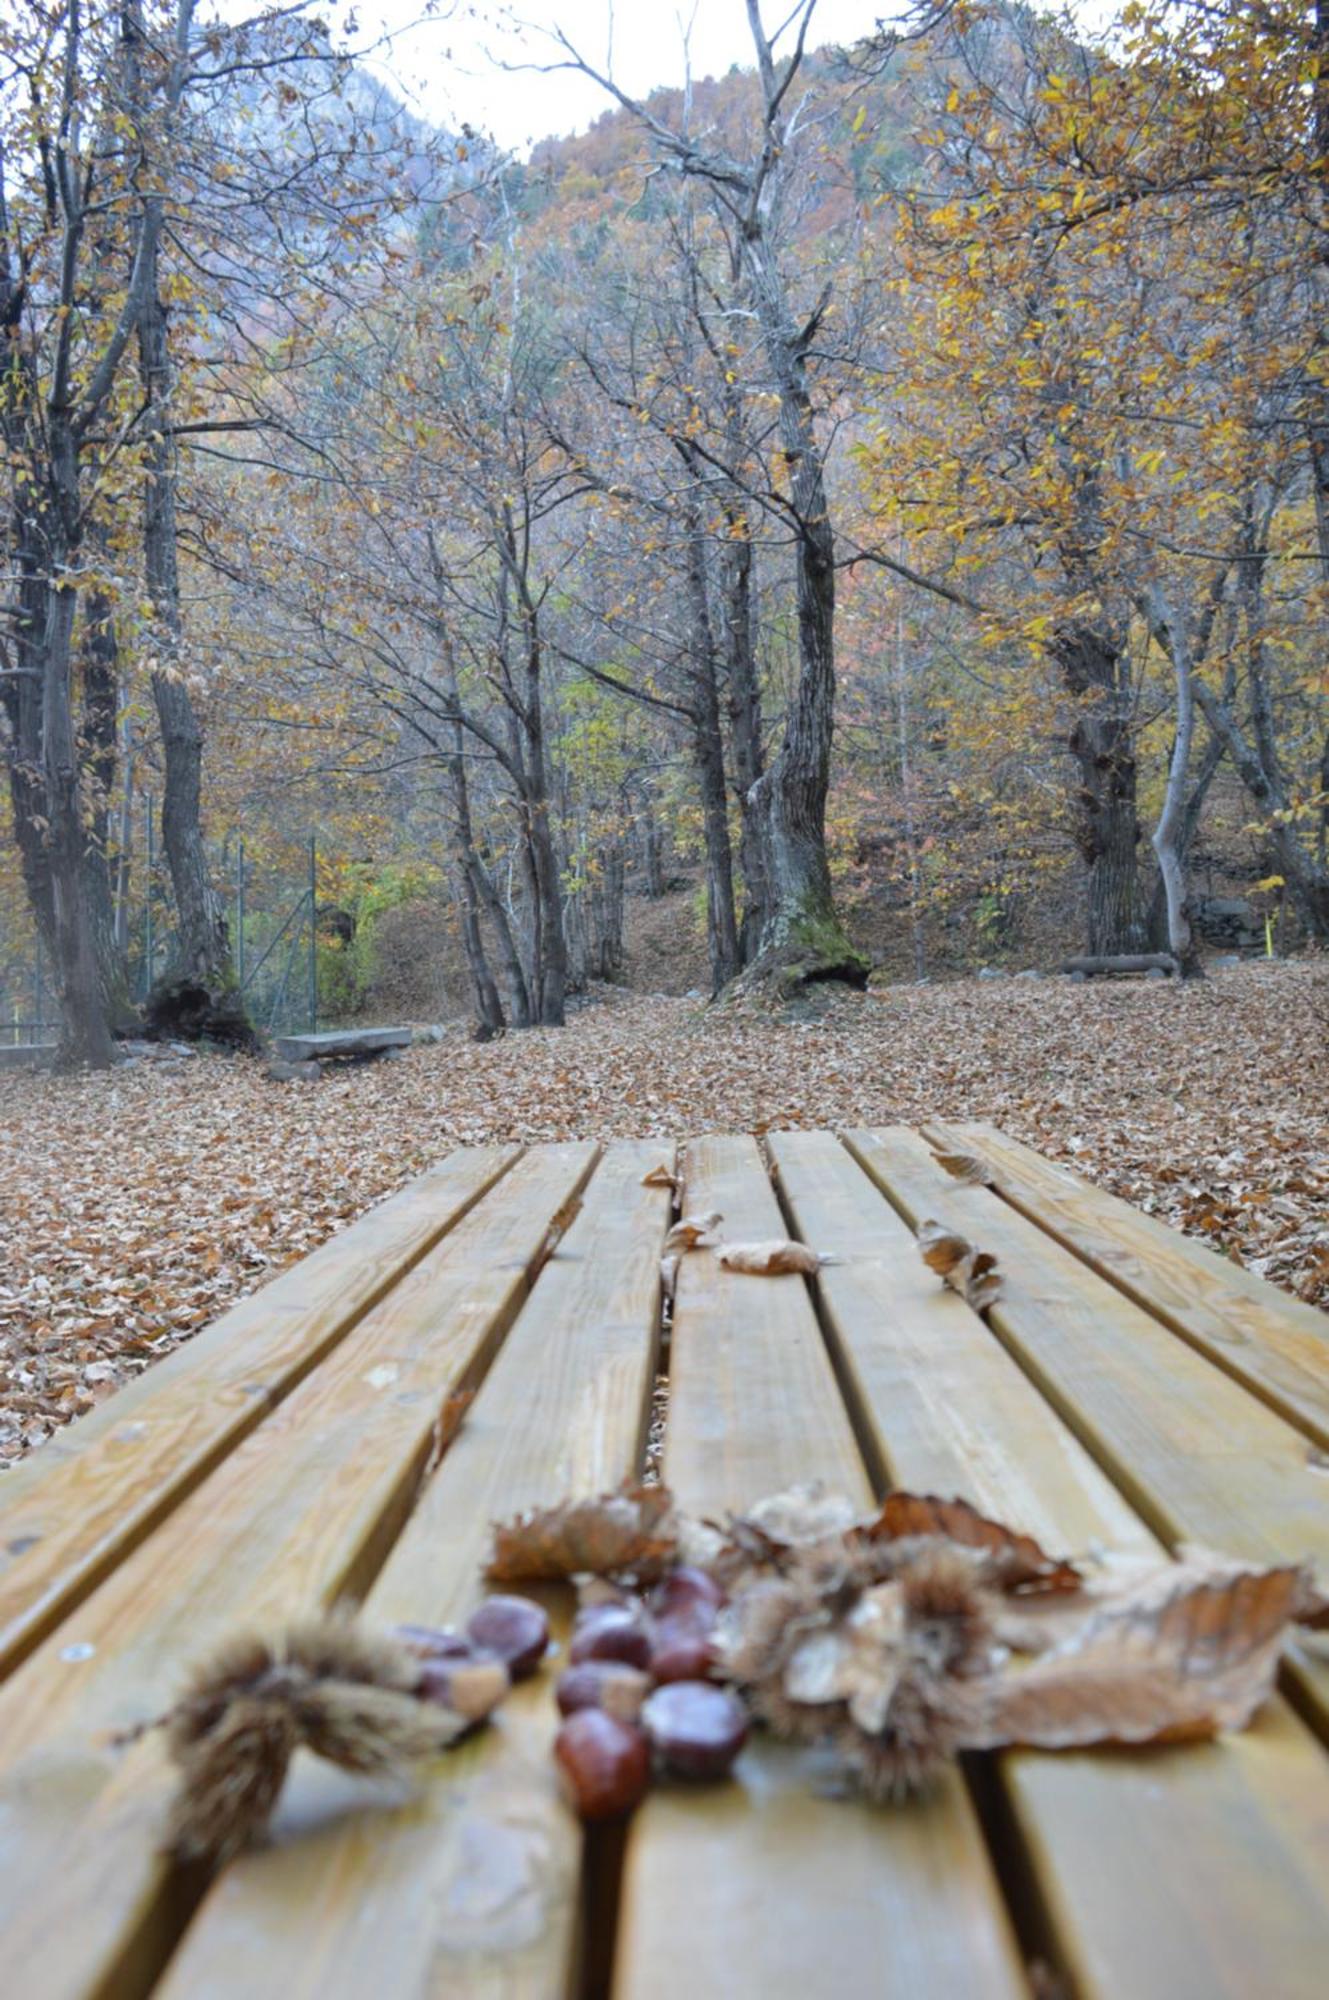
(966, 1168)
(446, 1425)
(972, 1273)
(799, 1515)
(631, 1533)
(1185, 1655)
(693, 1232)
(662, 1177)
(1012, 1561)
(775, 1259)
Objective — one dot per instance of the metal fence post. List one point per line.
(149, 948)
(240, 912)
(313, 934)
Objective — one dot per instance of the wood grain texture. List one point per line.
(762, 1887)
(1276, 1346)
(472, 1888)
(1199, 1457)
(1134, 1853)
(81, 1504)
(296, 1517)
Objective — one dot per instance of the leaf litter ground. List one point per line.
(136, 1206)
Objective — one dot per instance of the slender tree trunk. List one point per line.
(802, 938)
(708, 755)
(203, 952)
(1170, 631)
(743, 687)
(99, 734)
(652, 849)
(1214, 752)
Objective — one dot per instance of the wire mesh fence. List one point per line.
(272, 917)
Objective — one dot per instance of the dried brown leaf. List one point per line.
(774, 1259)
(446, 1425)
(966, 1168)
(1192, 1651)
(692, 1232)
(662, 1177)
(1013, 1561)
(629, 1532)
(972, 1273)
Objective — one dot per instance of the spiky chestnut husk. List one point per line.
(948, 1614)
(934, 1623)
(341, 1692)
(906, 1757)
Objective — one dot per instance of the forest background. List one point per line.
(872, 506)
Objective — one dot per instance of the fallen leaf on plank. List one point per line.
(631, 1531)
(1014, 1561)
(775, 1259)
(692, 1232)
(972, 1273)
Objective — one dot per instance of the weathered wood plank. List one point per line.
(341, 1042)
(1274, 1345)
(473, 1889)
(296, 1517)
(761, 1886)
(1200, 1458)
(1138, 1857)
(26, 1055)
(77, 1507)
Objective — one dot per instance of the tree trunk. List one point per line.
(1169, 630)
(1107, 828)
(708, 755)
(1214, 752)
(652, 849)
(99, 739)
(745, 732)
(203, 963)
(802, 938)
(85, 1037)
(22, 694)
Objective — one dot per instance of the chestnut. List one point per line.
(686, 1592)
(611, 1632)
(433, 1642)
(608, 1684)
(605, 1764)
(697, 1728)
(514, 1628)
(681, 1650)
(469, 1687)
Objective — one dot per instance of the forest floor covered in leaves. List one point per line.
(135, 1206)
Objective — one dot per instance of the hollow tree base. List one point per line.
(184, 1009)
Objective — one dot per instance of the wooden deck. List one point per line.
(1131, 1390)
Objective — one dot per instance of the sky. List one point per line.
(450, 67)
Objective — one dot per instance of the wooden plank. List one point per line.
(1200, 1458)
(298, 1516)
(762, 1886)
(77, 1507)
(1276, 1346)
(341, 1042)
(1161, 1873)
(472, 1890)
(26, 1055)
